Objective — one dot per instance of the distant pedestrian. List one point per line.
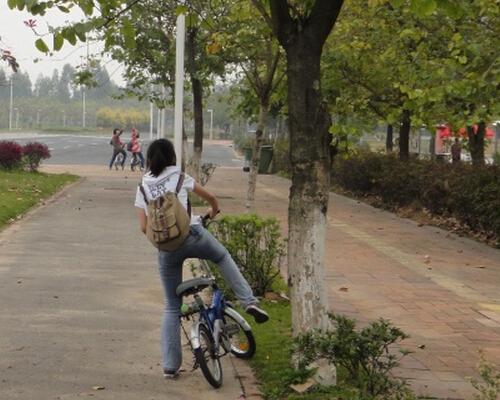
(456, 151)
(117, 147)
(136, 148)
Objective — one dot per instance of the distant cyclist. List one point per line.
(117, 147)
(136, 149)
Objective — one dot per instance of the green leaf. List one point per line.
(423, 7)
(41, 46)
(20, 5)
(452, 9)
(12, 3)
(87, 6)
(58, 41)
(181, 10)
(128, 32)
(397, 3)
(70, 35)
(63, 9)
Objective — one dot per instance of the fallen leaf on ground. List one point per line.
(303, 387)
(344, 289)
(98, 387)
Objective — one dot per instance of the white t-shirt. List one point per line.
(165, 182)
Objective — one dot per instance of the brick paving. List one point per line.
(441, 289)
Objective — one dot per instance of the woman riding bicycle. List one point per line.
(163, 176)
(136, 149)
(117, 147)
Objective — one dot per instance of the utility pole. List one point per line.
(84, 110)
(497, 136)
(11, 102)
(64, 118)
(211, 124)
(84, 105)
(151, 113)
(158, 122)
(179, 85)
(38, 117)
(17, 117)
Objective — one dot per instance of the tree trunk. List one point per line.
(432, 146)
(476, 143)
(198, 127)
(254, 165)
(388, 139)
(185, 151)
(197, 91)
(404, 136)
(310, 162)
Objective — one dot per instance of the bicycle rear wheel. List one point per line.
(241, 340)
(207, 359)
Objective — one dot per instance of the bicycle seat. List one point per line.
(192, 286)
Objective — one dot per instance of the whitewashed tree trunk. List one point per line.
(254, 165)
(195, 164)
(306, 247)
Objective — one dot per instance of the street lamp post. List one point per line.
(497, 136)
(211, 124)
(84, 109)
(11, 102)
(17, 117)
(179, 85)
(38, 117)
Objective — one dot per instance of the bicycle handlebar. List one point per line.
(206, 218)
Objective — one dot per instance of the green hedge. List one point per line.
(469, 194)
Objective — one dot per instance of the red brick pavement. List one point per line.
(441, 289)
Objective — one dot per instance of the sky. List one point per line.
(20, 39)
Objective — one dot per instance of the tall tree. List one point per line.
(302, 29)
(249, 44)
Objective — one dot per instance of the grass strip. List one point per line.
(21, 190)
(273, 359)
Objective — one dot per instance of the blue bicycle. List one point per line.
(217, 329)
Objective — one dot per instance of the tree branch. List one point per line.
(262, 9)
(323, 17)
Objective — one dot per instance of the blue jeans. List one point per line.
(115, 154)
(199, 244)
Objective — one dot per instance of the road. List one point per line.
(95, 150)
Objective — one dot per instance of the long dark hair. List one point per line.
(161, 154)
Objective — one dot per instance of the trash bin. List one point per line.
(248, 158)
(266, 155)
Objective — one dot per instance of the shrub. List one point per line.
(255, 245)
(489, 385)
(10, 154)
(34, 153)
(364, 355)
(470, 194)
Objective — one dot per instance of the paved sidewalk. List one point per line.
(441, 289)
(81, 303)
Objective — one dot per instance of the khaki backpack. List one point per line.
(168, 221)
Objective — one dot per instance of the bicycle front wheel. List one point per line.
(241, 338)
(207, 358)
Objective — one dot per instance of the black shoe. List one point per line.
(257, 313)
(170, 374)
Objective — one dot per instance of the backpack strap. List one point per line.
(141, 188)
(178, 189)
(179, 183)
